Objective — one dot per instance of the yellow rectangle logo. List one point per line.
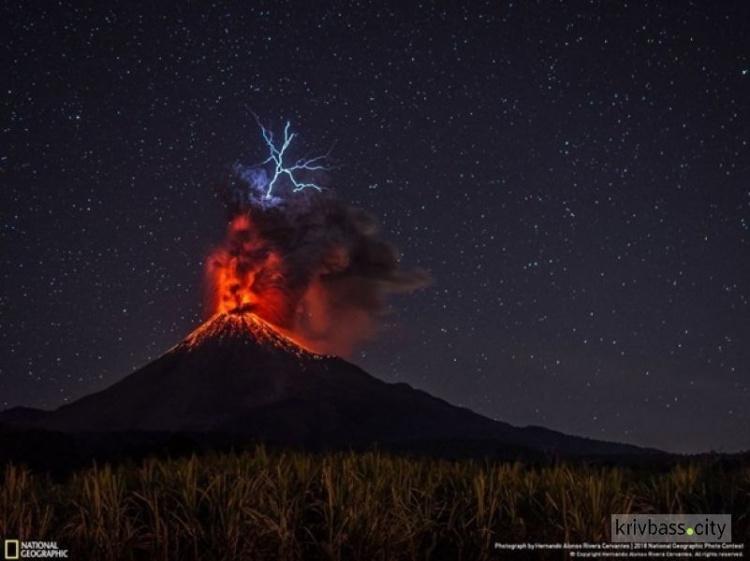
(12, 548)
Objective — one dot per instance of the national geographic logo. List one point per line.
(11, 549)
(17, 549)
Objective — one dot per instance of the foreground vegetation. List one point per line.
(275, 505)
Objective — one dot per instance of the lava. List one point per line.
(245, 326)
(247, 274)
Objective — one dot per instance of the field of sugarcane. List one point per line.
(289, 505)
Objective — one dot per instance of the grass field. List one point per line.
(277, 505)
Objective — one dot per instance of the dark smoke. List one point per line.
(318, 266)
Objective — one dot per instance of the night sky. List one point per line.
(574, 175)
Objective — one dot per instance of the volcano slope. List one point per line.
(236, 379)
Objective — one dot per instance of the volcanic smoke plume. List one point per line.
(309, 264)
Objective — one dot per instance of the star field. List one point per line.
(574, 175)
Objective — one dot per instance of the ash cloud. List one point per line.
(312, 265)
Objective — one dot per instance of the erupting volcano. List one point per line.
(297, 282)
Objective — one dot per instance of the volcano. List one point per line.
(239, 377)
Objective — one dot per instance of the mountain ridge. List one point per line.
(238, 375)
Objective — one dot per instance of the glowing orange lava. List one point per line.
(247, 274)
(240, 326)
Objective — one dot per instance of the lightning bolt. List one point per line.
(281, 169)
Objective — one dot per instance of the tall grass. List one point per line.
(281, 505)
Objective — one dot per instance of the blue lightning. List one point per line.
(281, 169)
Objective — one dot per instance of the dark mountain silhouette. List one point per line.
(237, 378)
